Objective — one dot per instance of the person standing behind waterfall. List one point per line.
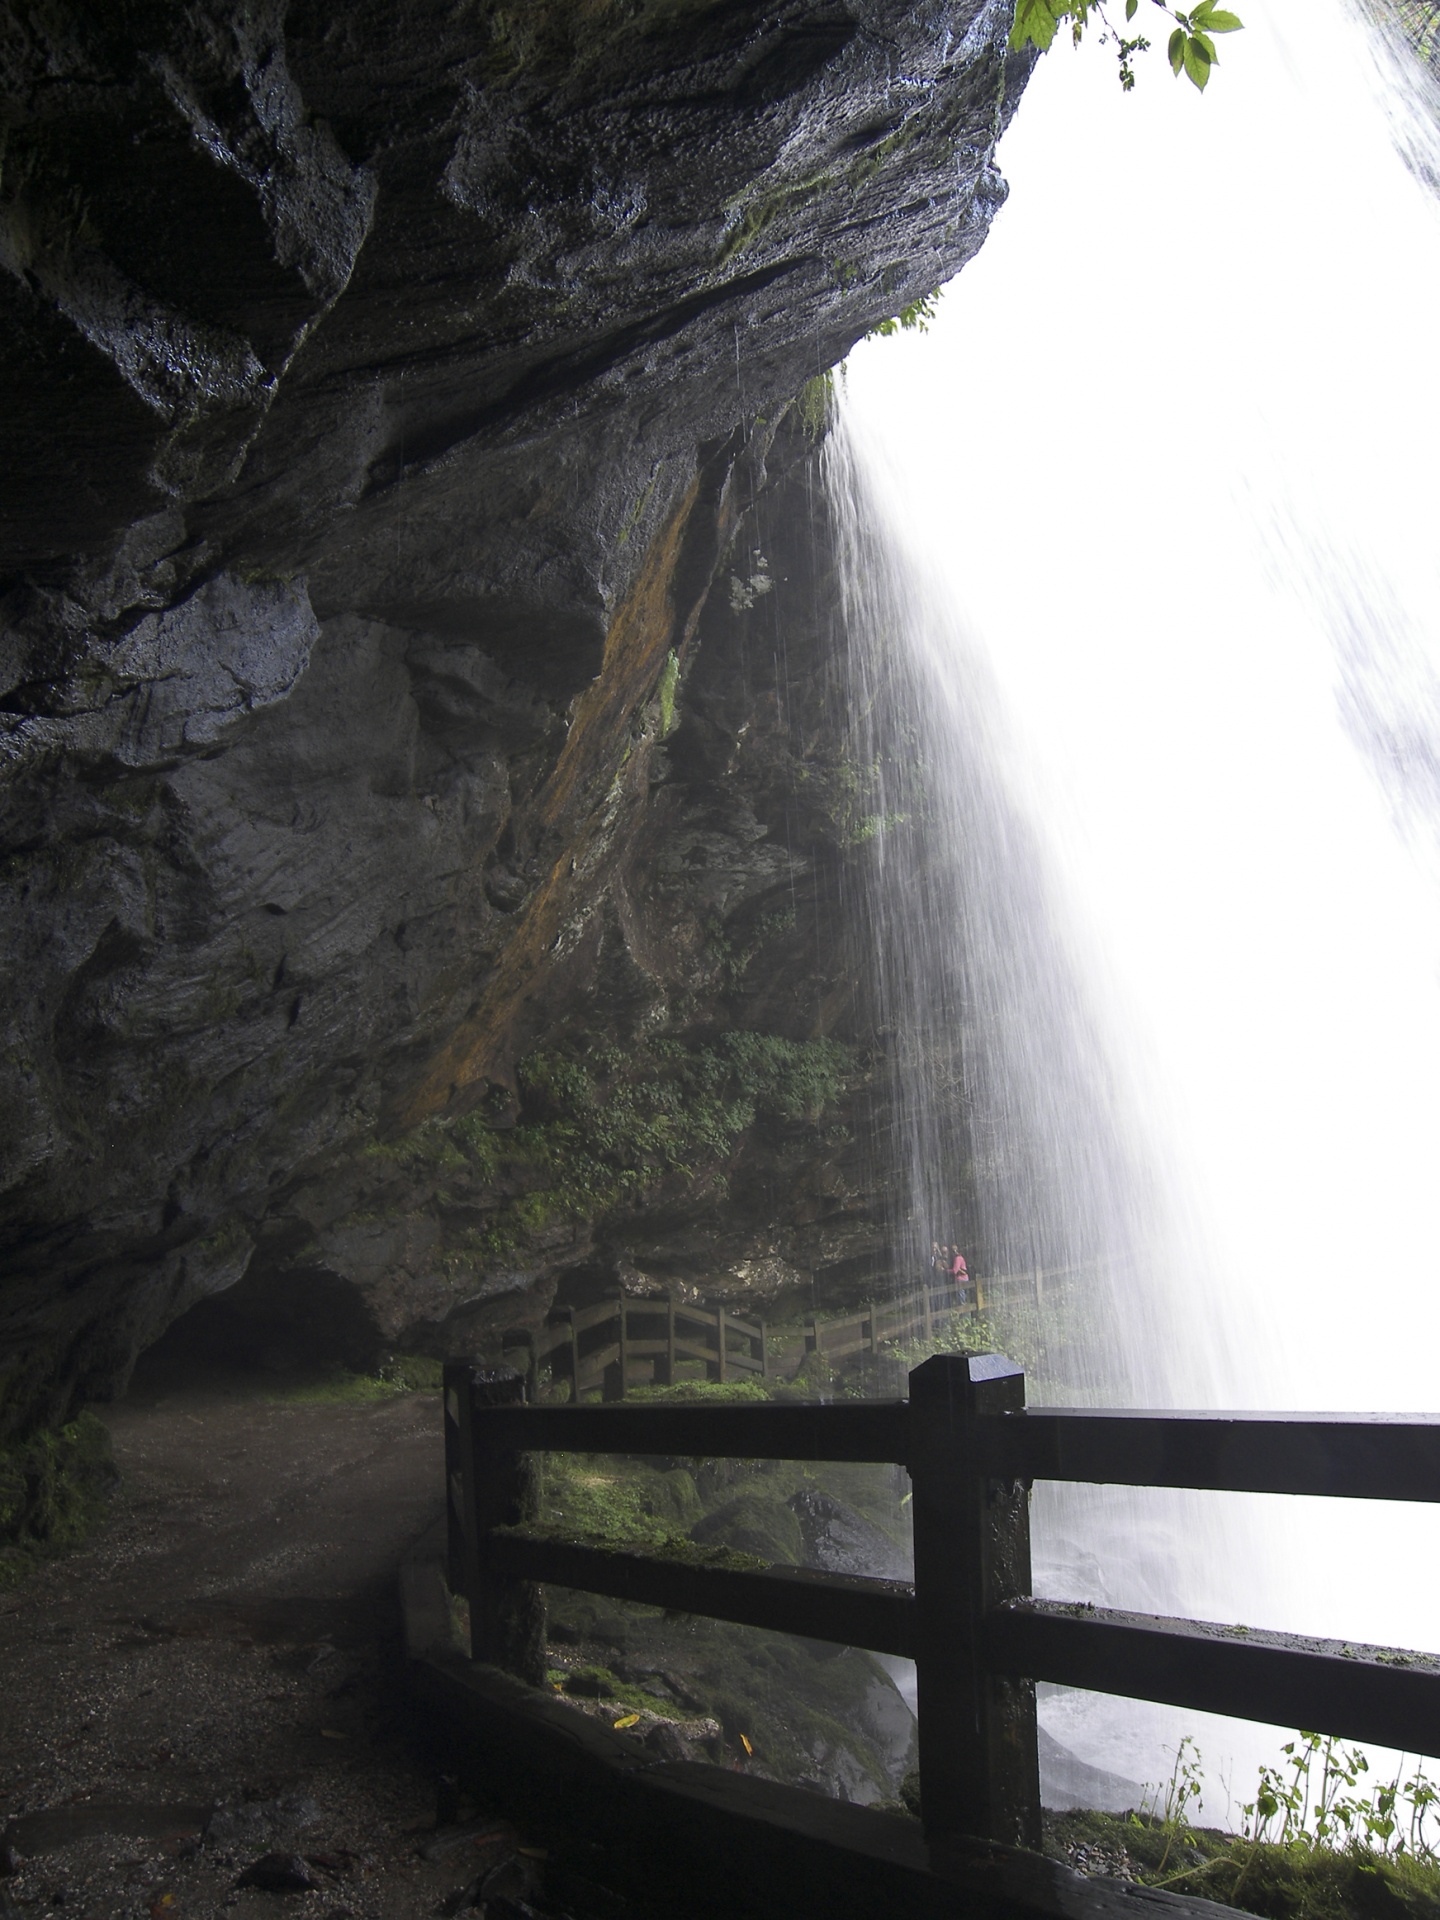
(959, 1272)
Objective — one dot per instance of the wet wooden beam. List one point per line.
(1358, 1692)
(865, 1430)
(1352, 1456)
(849, 1611)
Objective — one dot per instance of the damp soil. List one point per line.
(214, 1679)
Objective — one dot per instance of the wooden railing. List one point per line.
(978, 1637)
(917, 1317)
(914, 1316)
(640, 1340)
(637, 1340)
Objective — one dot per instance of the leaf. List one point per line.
(1132, 7)
(746, 1744)
(1176, 50)
(1197, 62)
(626, 1720)
(1035, 24)
(1222, 22)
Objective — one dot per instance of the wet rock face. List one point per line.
(374, 387)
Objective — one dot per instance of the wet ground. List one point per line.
(214, 1678)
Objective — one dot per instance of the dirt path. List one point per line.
(227, 1642)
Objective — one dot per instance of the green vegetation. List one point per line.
(786, 1708)
(1191, 46)
(1317, 1843)
(915, 318)
(606, 1127)
(702, 1392)
(54, 1487)
(400, 1373)
(814, 405)
(733, 960)
(665, 693)
(1418, 20)
(1293, 1882)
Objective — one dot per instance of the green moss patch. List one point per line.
(754, 1523)
(630, 1508)
(54, 1488)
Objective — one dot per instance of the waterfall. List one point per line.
(1144, 607)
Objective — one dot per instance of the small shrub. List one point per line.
(54, 1488)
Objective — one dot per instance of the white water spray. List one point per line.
(1166, 473)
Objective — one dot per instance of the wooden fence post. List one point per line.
(764, 1356)
(669, 1340)
(979, 1766)
(461, 1531)
(498, 1488)
(624, 1348)
(574, 1357)
(720, 1342)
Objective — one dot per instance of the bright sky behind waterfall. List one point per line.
(1170, 433)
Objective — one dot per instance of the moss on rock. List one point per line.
(755, 1524)
(54, 1486)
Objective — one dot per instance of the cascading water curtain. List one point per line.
(1014, 1131)
(1015, 1125)
(1158, 916)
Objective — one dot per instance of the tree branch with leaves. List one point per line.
(1191, 46)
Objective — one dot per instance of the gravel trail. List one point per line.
(213, 1678)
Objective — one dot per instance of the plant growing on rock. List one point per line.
(1191, 46)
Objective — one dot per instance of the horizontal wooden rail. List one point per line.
(865, 1430)
(849, 1611)
(1359, 1692)
(1345, 1455)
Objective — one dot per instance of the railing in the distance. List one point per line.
(633, 1340)
(979, 1639)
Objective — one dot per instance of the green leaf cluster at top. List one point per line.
(1191, 47)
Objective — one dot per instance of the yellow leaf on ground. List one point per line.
(746, 1744)
(626, 1720)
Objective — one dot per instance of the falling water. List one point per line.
(1146, 616)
